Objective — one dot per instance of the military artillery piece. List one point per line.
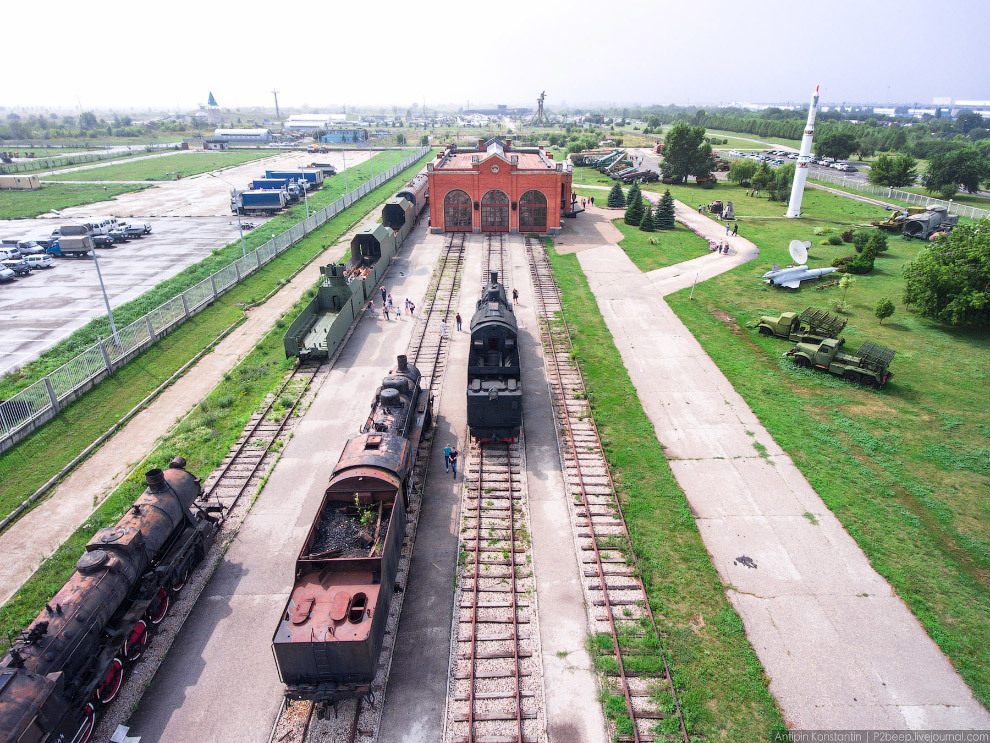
(868, 366)
(811, 326)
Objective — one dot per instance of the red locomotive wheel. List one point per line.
(110, 685)
(136, 641)
(85, 731)
(158, 608)
(180, 582)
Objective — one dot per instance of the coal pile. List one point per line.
(341, 532)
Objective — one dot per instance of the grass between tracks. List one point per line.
(164, 168)
(27, 204)
(719, 679)
(29, 464)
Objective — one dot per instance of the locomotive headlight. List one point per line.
(492, 394)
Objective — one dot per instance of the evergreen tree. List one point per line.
(647, 223)
(616, 198)
(665, 212)
(634, 209)
(635, 193)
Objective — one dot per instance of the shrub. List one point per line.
(822, 230)
(840, 305)
(847, 236)
(834, 240)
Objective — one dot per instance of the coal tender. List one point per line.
(71, 660)
(494, 390)
(330, 634)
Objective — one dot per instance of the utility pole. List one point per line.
(277, 114)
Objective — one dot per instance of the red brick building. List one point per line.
(499, 189)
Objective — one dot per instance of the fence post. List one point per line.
(151, 328)
(106, 357)
(237, 271)
(257, 255)
(51, 394)
(185, 304)
(213, 283)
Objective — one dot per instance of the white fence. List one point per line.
(40, 402)
(884, 192)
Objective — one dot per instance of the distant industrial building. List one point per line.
(500, 110)
(496, 188)
(345, 135)
(215, 144)
(243, 136)
(305, 123)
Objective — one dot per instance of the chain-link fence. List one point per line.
(46, 162)
(35, 405)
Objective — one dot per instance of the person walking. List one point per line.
(446, 458)
(371, 306)
(726, 229)
(735, 229)
(443, 329)
(515, 295)
(412, 309)
(407, 305)
(453, 460)
(457, 319)
(390, 305)
(384, 294)
(385, 312)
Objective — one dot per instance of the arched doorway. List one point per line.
(533, 212)
(495, 212)
(457, 211)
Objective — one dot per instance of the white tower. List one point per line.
(801, 173)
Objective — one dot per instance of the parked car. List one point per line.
(29, 247)
(117, 235)
(18, 266)
(10, 253)
(6, 274)
(135, 230)
(40, 261)
(102, 241)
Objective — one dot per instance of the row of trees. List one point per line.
(86, 126)
(761, 177)
(639, 211)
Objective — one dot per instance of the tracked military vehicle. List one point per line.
(811, 326)
(868, 366)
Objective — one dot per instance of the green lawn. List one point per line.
(162, 168)
(719, 679)
(907, 469)
(669, 246)
(27, 204)
(30, 463)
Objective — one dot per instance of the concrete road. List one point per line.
(46, 306)
(218, 682)
(840, 647)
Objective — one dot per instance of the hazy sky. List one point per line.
(169, 55)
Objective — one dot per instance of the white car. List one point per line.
(6, 274)
(40, 261)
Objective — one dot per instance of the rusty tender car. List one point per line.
(72, 658)
(329, 637)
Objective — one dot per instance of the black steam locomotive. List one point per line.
(73, 657)
(494, 389)
(329, 638)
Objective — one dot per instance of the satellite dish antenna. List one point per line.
(799, 252)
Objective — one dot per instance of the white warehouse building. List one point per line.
(304, 123)
(244, 136)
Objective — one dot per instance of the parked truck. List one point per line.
(327, 168)
(313, 175)
(257, 202)
(293, 190)
(869, 366)
(71, 246)
(811, 326)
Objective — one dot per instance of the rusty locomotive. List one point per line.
(329, 636)
(73, 657)
(494, 387)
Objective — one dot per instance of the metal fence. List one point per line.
(46, 162)
(963, 210)
(37, 404)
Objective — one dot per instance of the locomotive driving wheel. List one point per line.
(110, 685)
(180, 580)
(136, 641)
(159, 607)
(85, 731)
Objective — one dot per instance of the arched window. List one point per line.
(495, 212)
(533, 212)
(457, 211)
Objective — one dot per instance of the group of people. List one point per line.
(388, 308)
(718, 247)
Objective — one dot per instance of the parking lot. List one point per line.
(189, 219)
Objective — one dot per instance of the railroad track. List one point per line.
(625, 630)
(495, 661)
(358, 720)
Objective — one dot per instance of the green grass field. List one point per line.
(719, 679)
(906, 469)
(669, 246)
(162, 168)
(30, 463)
(27, 204)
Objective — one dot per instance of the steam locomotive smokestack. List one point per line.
(494, 277)
(403, 365)
(155, 480)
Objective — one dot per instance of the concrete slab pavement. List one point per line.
(841, 649)
(219, 682)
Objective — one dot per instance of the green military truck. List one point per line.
(868, 366)
(811, 326)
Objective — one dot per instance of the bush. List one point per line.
(859, 239)
(834, 240)
(847, 236)
(710, 183)
(840, 305)
(822, 230)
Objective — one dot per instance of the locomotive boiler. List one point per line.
(72, 658)
(494, 389)
(329, 637)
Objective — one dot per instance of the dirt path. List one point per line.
(28, 542)
(840, 647)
